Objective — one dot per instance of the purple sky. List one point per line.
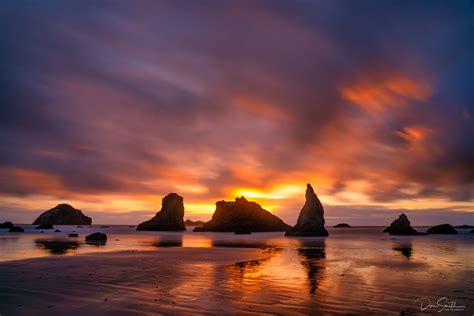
(110, 105)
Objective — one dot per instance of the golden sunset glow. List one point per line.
(133, 112)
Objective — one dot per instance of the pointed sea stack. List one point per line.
(63, 214)
(169, 218)
(242, 216)
(311, 219)
(401, 226)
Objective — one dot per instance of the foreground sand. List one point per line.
(318, 278)
(170, 280)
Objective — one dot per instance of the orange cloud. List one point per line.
(27, 180)
(394, 91)
(413, 134)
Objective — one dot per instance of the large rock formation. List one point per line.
(189, 222)
(63, 214)
(444, 229)
(311, 219)
(242, 215)
(401, 226)
(169, 218)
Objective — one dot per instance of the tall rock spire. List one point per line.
(311, 218)
(169, 218)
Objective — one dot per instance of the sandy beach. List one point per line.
(351, 272)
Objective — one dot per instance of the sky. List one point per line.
(111, 105)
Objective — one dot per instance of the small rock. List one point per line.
(96, 238)
(342, 225)
(16, 229)
(6, 225)
(242, 232)
(444, 229)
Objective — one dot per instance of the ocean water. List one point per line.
(360, 269)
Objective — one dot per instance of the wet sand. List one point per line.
(313, 278)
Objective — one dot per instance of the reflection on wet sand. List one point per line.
(311, 259)
(97, 243)
(246, 266)
(405, 249)
(169, 241)
(239, 244)
(56, 247)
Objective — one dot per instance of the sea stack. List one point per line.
(169, 218)
(311, 219)
(63, 214)
(242, 216)
(401, 226)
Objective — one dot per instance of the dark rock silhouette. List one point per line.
(242, 215)
(6, 225)
(73, 235)
(342, 225)
(401, 226)
(189, 222)
(16, 229)
(444, 229)
(44, 226)
(57, 231)
(96, 239)
(169, 218)
(63, 214)
(242, 232)
(460, 226)
(57, 247)
(311, 219)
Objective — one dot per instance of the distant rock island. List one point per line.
(444, 229)
(169, 218)
(311, 219)
(63, 214)
(189, 222)
(242, 215)
(401, 226)
(342, 225)
(7, 225)
(464, 226)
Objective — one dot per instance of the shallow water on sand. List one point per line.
(360, 270)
